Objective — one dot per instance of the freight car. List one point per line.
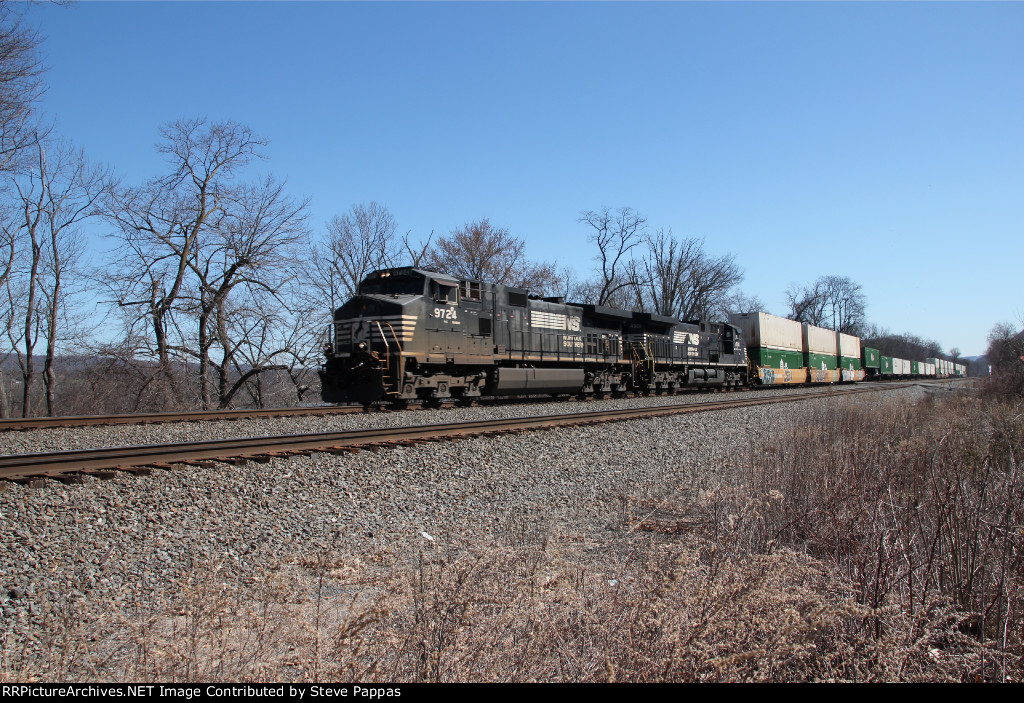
(782, 351)
(412, 334)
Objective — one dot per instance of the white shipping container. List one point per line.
(762, 329)
(820, 341)
(897, 367)
(848, 345)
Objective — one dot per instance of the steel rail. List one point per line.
(56, 464)
(35, 423)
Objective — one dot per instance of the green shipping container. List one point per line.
(821, 361)
(915, 368)
(777, 358)
(870, 357)
(849, 362)
(887, 365)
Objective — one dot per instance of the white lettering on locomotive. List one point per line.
(572, 341)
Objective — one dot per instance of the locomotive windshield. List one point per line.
(389, 283)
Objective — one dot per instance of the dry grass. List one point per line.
(861, 544)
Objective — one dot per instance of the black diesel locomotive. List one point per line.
(412, 334)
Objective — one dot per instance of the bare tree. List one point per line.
(416, 254)
(20, 84)
(903, 345)
(252, 249)
(740, 302)
(54, 194)
(160, 224)
(833, 302)
(568, 285)
(20, 87)
(1006, 356)
(681, 279)
(846, 303)
(1005, 346)
(482, 252)
(358, 242)
(807, 303)
(616, 234)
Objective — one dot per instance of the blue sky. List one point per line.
(882, 141)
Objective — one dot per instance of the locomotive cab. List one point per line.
(368, 336)
(425, 331)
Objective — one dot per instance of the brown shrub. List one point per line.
(862, 543)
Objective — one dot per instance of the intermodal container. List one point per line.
(870, 358)
(849, 348)
(772, 341)
(821, 348)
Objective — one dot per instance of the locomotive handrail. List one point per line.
(387, 347)
(398, 342)
(384, 338)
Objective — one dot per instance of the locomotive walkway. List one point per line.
(72, 466)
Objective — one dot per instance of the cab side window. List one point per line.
(444, 293)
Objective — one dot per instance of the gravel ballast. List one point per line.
(66, 438)
(128, 539)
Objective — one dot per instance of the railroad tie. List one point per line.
(341, 450)
(70, 479)
(136, 470)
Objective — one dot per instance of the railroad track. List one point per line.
(36, 423)
(73, 465)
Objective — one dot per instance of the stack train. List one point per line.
(411, 334)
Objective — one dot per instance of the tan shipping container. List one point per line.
(820, 341)
(761, 329)
(848, 345)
